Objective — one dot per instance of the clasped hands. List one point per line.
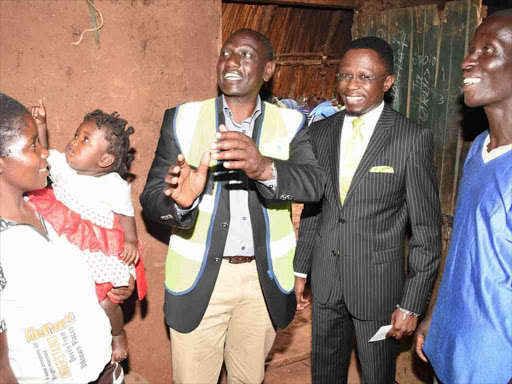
(236, 150)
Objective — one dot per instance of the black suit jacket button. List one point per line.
(224, 225)
(341, 220)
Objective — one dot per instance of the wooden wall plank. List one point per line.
(400, 30)
(416, 110)
(441, 81)
(456, 11)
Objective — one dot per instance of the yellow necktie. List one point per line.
(353, 151)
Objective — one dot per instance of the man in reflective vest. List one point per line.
(229, 270)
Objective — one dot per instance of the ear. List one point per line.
(270, 68)
(106, 160)
(388, 83)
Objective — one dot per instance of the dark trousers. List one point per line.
(333, 333)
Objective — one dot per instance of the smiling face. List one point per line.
(87, 153)
(487, 70)
(243, 66)
(360, 97)
(24, 168)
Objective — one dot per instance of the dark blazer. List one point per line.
(300, 178)
(363, 240)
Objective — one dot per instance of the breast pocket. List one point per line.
(385, 185)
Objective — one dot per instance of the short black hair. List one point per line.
(11, 121)
(379, 46)
(262, 38)
(117, 137)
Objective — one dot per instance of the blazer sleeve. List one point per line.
(306, 241)
(157, 206)
(299, 178)
(424, 208)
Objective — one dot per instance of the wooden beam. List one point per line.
(335, 20)
(266, 22)
(301, 54)
(346, 4)
(307, 63)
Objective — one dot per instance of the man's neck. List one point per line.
(500, 125)
(242, 108)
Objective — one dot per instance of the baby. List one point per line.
(91, 205)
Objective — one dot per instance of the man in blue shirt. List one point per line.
(467, 336)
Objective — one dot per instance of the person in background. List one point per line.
(467, 334)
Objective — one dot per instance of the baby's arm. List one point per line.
(39, 115)
(130, 254)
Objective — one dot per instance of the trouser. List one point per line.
(333, 332)
(236, 328)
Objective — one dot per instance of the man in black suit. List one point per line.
(229, 270)
(381, 182)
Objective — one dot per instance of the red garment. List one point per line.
(86, 235)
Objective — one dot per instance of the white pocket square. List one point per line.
(382, 169)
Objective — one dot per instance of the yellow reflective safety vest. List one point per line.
(195, 125)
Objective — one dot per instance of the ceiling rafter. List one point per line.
(345, 4)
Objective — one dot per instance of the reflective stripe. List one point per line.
(283, 246)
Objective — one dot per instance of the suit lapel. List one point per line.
(334, 142)
(377, 143)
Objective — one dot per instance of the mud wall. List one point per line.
(152, 55)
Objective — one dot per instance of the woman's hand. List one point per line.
(120, 294)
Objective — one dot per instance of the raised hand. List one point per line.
(185, 183)
(241, 152)
(38, 112)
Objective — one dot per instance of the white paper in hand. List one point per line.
(380, 334)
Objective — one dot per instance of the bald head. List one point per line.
(488, 66)
(503, 18)
(502, 13)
